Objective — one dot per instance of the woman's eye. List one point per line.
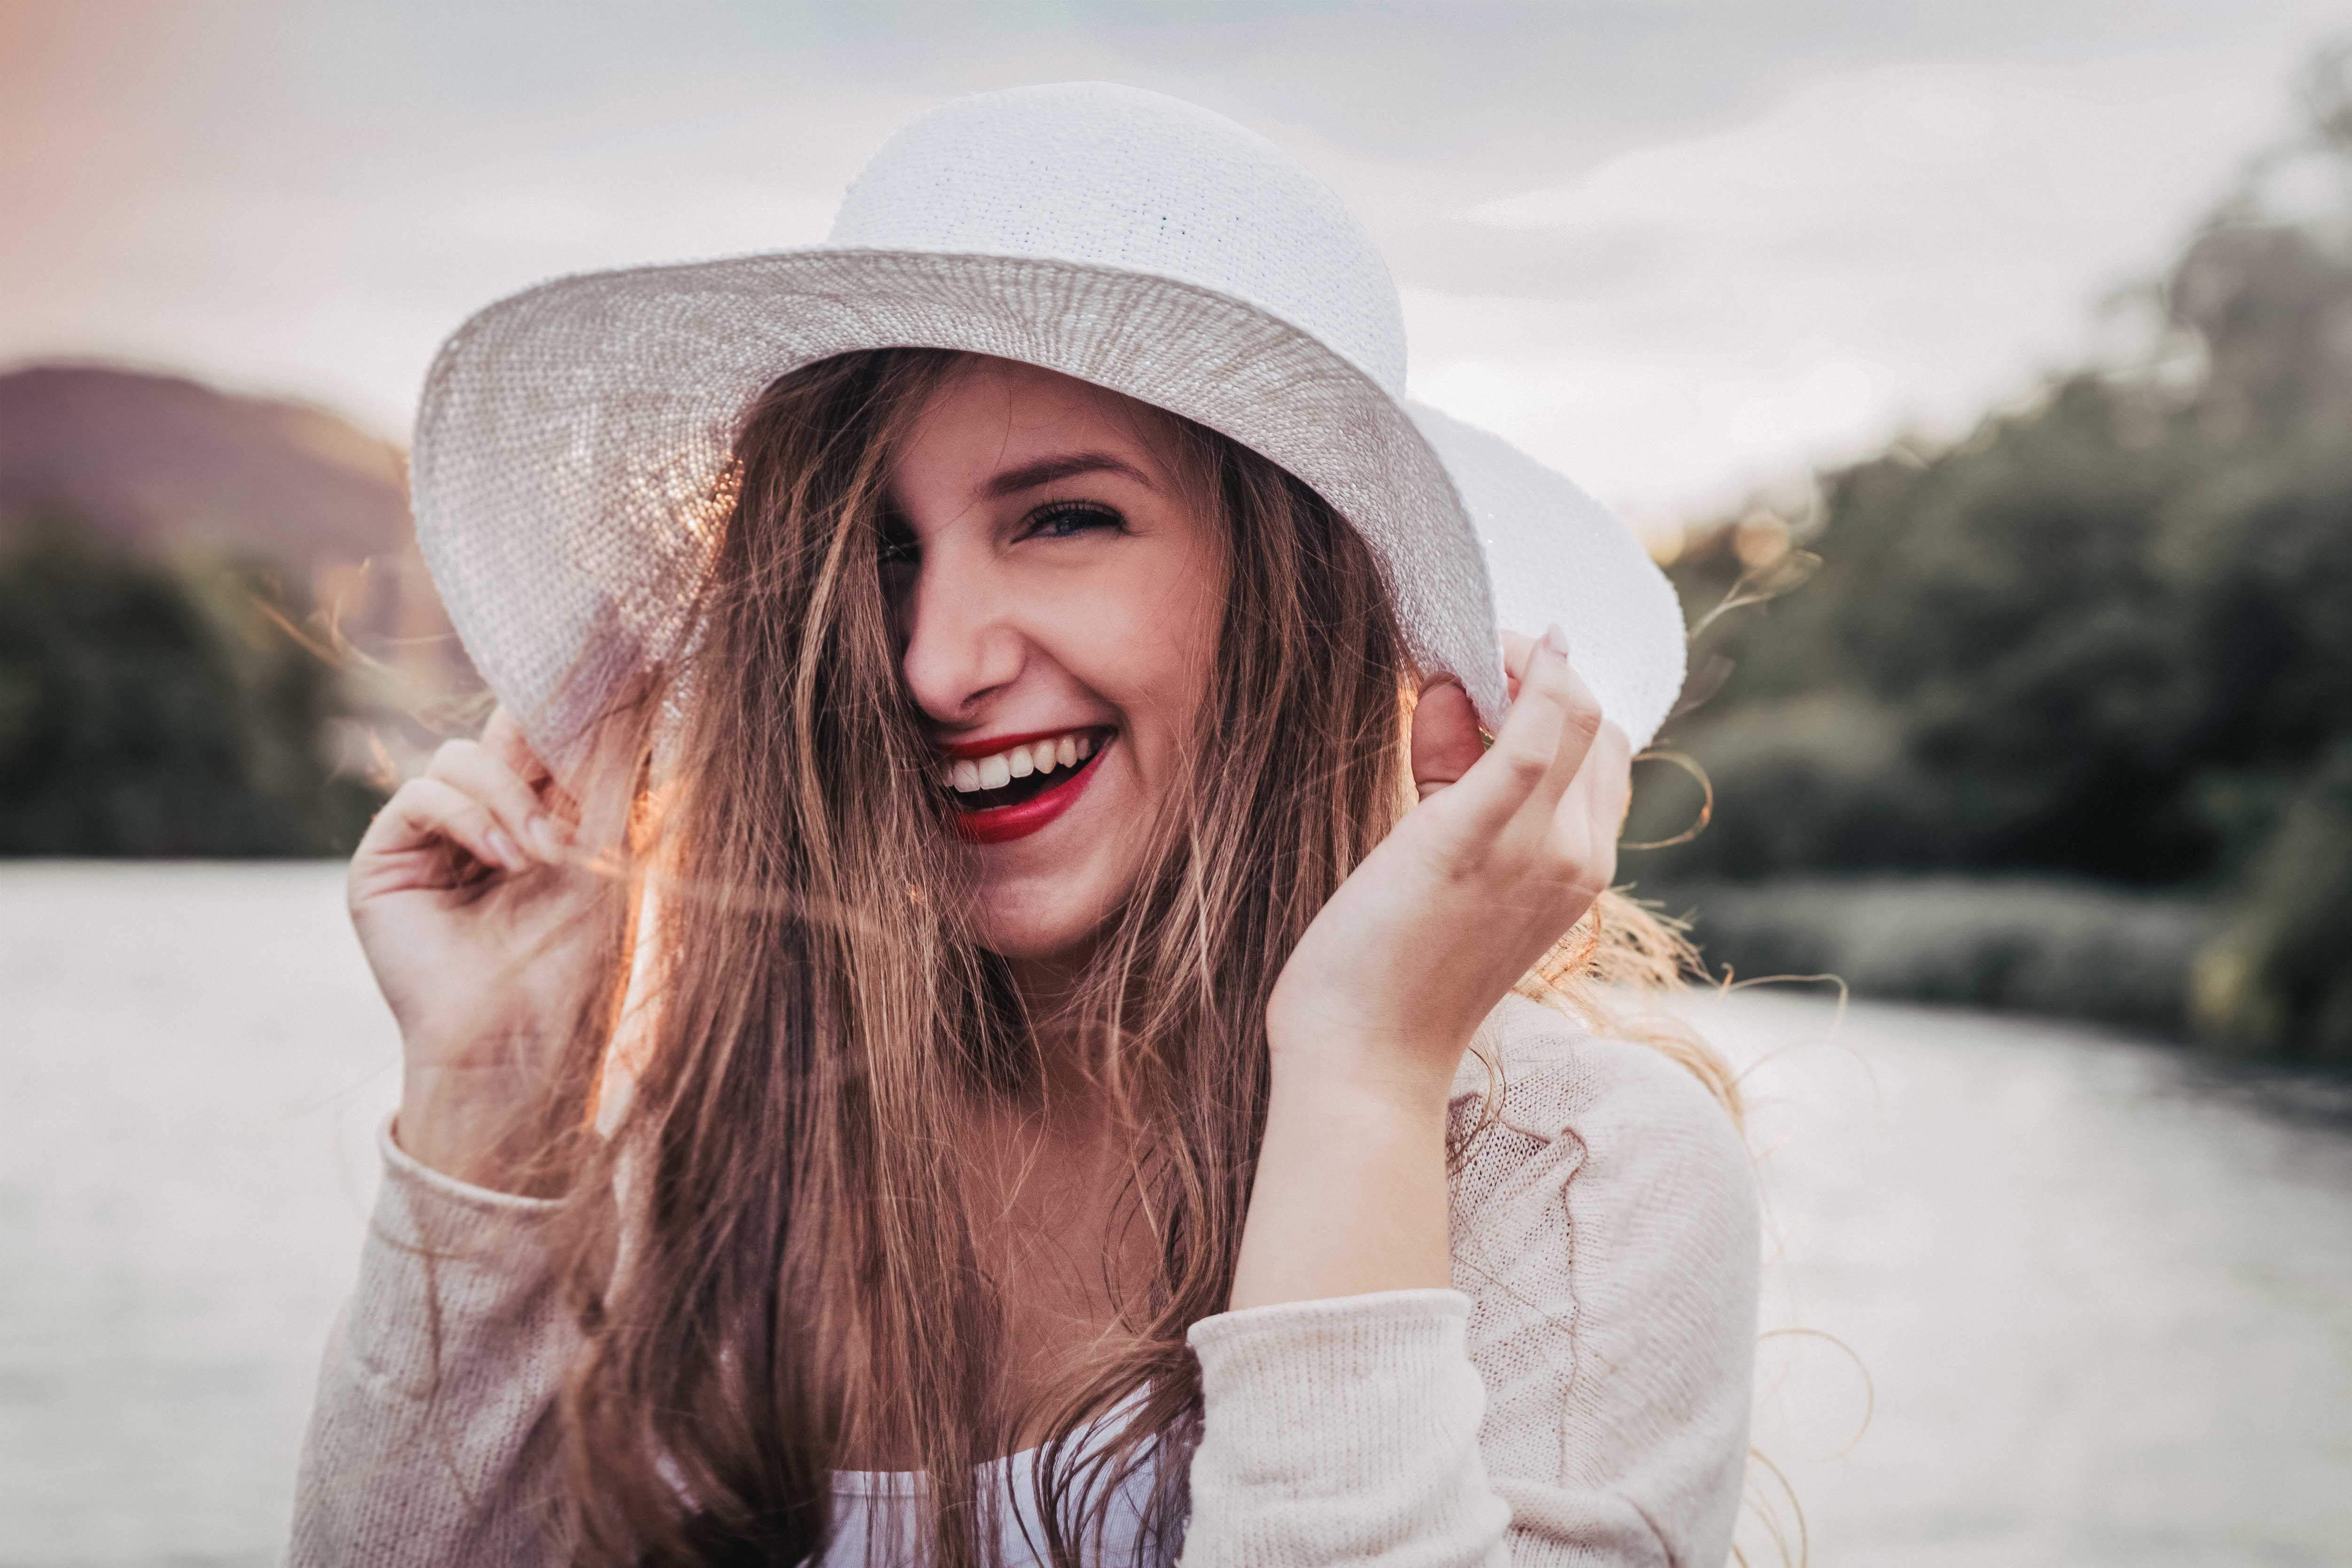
(1068, 520)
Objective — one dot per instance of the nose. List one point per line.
(962, 642)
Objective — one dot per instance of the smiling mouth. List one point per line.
(1023, 783)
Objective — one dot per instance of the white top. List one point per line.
(872, 1502)
(1580, 1396)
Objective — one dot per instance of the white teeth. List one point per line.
(967, 775)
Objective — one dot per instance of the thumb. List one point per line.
(1444, 735)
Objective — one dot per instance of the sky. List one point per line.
(1677, 248)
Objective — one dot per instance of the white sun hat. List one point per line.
(572, 445)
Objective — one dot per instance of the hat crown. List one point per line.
(1115, 176)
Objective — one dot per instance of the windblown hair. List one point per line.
(769, 1245)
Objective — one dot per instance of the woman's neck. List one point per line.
(1046, 1172)
(1053, 1003)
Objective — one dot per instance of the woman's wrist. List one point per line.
(479, 1128)
(1350, 1194)
(1368, 1065)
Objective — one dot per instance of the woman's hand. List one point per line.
(1371, 1013)
(477, 895)
(1477, 882)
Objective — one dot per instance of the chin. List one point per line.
(1041, 920)
(1044, 898)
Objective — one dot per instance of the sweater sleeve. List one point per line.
(1581, 1397)
(427, 1440)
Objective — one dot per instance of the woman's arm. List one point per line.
(1608, 1235)
(429, 1441)
(1582, 1396)
(1375, 1006)
(1344, 1404)
(481, 894)
(477, 893)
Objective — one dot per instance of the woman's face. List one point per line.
(1057, 599)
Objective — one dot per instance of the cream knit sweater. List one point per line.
(1580, 1396)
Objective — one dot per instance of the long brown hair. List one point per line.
(771, 1250)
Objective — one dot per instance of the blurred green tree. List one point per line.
(2107, 635)
(2276, 980)
(159, 710)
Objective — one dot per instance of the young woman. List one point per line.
(1003, 985)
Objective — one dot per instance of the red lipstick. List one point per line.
(1003, 823)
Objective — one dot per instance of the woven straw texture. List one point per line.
(571, 447)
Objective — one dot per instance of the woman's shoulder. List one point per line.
(1606, 1230)
(1534, 1068)
(1539, 1103)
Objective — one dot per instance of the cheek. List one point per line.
(1168, 655)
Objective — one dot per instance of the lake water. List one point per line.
(2103, 1297)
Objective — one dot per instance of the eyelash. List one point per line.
(1054, 511)
(905, 550)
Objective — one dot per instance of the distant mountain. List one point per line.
(165, 466)
(155, 462)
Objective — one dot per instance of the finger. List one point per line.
(1591, 812)
(590, 795)
(511, 803)
(603, 768)
(1543, 740)
(1518, 647)
(1445, 743)
(1581, 720)
(1616, 802)
(427, 809)
(503, 738)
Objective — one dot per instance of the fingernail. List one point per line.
(1555, 639)
(504, 848)
(545, 839)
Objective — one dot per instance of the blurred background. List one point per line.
(1981, 373)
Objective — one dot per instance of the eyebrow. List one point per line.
(1029, 476)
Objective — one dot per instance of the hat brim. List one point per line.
(573, 440)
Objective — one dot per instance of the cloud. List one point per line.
(1665, 243)
(1901, 243)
